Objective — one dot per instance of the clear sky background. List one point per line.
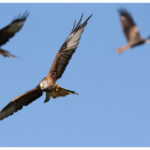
(113, 105)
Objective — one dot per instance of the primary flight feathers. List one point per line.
(9, 31)
(66, 51)
(131, 31)
(48, 84)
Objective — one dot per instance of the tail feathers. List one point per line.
(122, 49)
(61, 92)
(68, 91)
(6, 53)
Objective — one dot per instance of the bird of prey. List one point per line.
(131, 31)
(48, 84)
(9, 31)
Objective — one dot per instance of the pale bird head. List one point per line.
(44, 84)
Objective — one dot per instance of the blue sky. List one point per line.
(113, 105)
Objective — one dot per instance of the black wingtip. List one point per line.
(76, 27)
(86, 19)
(26, 14)
(123, 11)
(85, 22)
(76, 93)
(22, 17)
(89, 18)
(78, 24)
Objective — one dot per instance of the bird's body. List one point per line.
(131, 32)
(142, 41)
(48, 84)
(52, 89)
(9, 31)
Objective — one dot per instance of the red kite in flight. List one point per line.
(131, 31)
(9, 31)
(48, 84)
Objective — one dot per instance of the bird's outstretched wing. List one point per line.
(129, 27)
(66, 51)
(20, 101)
(9, 31)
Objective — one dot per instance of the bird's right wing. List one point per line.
(20, 101)
(129, 27)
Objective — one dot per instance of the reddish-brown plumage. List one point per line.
(9, 31)
(48, 84)
(130, 30)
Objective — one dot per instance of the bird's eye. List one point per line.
(53, 74)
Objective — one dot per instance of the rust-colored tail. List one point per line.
(122, 49)
(61, 92)
(6, 53)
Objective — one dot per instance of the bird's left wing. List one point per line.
(20, 101)
(130, 29)
(9, 31)
(66, 51)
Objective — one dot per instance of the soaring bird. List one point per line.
(131, 31)
(48, 84)
(9, 31)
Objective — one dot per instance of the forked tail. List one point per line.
(61, 92)
(68, 91)
(58, 92)
(6, 53)
(122, 49)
